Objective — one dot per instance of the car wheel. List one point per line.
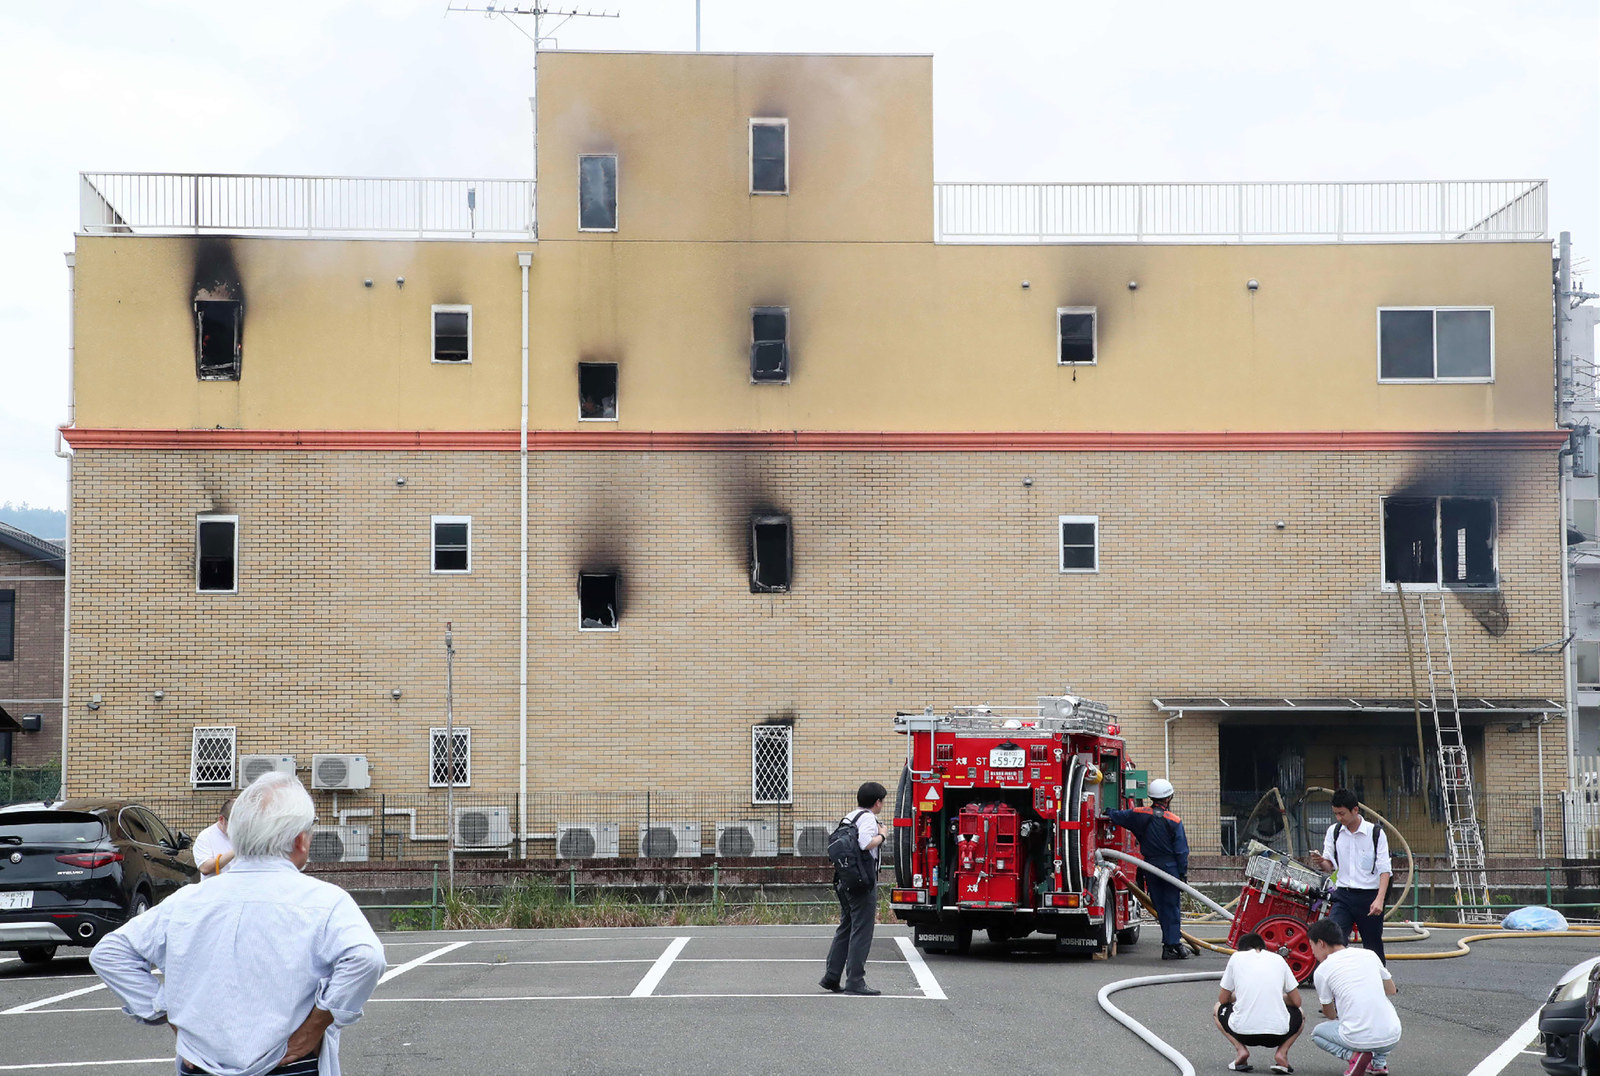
(37, 954)
(140, 905)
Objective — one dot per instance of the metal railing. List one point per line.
(152, 203)
(1240, 212)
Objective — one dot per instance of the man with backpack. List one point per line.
(853, 848)
(1359, 851)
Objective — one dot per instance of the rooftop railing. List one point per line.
(1239, 212)
(151, 203)
(148, 203)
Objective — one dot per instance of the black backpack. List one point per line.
(853, 868)
(1333, 831)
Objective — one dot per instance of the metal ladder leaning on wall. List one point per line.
(1464, 837)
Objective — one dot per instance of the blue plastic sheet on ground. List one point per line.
(1535, 918)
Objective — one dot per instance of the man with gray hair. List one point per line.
(263, 966)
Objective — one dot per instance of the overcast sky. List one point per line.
(1025, 90)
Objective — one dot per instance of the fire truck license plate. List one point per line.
(1002, 759)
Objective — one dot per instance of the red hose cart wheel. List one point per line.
(1287, 937)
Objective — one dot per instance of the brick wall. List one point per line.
(920, 578)
(31, 682)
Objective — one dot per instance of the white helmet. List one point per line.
(1160, 789)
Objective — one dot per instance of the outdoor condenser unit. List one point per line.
(598, 841)
(253, 766)
(483, 827)
(811, 839)
(669, 840)
(339, 844)
(747, 838)
(339, 772)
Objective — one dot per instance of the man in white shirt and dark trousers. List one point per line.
(1259, 1004)
(1359, 851)
(847, 957)
(262, 966)
(1353, 988)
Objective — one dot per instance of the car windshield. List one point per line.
(50, 827)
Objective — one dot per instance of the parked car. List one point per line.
(1569, 1023)
(74, 870)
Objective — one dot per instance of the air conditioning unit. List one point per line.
(483, 827)
(811, 838)
(339, 844)
(587, 842)
(339, 772)
(669, 840)
(747, 839)
(253, 766)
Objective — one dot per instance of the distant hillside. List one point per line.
(47, 523)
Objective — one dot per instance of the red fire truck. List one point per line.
(997, 821)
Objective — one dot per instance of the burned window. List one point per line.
(597, 600)
(769, 343)
(597, 193)
(1435, 344)
(769, 156)
(218, 334)
(1080, 543)
(452, 333)
(597, 390)
(1075, 336)
(771, 554)
(452, 544)
(8, 625)
(1440, 542)
(217, 554)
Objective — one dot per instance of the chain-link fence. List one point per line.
(21, 784)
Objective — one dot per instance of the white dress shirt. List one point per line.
(245, 958)
(1358, 866)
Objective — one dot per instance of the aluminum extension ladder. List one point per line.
(1465, 838)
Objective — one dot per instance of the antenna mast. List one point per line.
(538, 13)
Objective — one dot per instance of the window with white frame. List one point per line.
(769, 156)
(1080, 543)
(1075, 336)
(772, 764)
(216, 554)
(452, 545)
(597, 192)
(1440, 542)
(442, 763)
(1436, 343)
(211, 756)
(452, 333)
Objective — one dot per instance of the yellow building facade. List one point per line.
(795, 461)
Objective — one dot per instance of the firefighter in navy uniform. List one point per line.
(1163, 844)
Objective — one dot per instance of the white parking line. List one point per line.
(1520, 1038)
(919, 967)
(408, 965)
(85, 1064)
(509, 963)
(42, 1002)
(653, 977)
(817, 994)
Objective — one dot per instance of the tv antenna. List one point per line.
(541, 37)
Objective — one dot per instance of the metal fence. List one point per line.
(154, 203)
(20, 784)
(1260, 212)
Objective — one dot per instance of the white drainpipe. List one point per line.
(524, 261)
(66, 542)
(1166, 740)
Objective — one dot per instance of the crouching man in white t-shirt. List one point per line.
(1354, 988)
(1259, 1004)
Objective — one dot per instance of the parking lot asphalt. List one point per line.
(745, 1000)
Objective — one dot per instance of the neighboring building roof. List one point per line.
(53, 553)
(1468, 704)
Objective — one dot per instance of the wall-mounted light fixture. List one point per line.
(1253, 284)
(367, 283)
(1133, 285)
(395, 694)
(399, 479)
(159, 695)
(94, 702)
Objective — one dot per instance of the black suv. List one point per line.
(72, 871)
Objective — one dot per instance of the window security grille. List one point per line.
(439, 760)
(772, 764)
(211, 757)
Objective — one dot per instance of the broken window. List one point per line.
(452, 333)
(771, 554)
(597, 390)
(1075, 335)
(452, 544)
(218, 334)
(1435, 344)
(1440, 542)
(597, 600)
(769, 156)
(769, 343)
(597, 193)
(447, 767)
(217, 554)
(1080, 543)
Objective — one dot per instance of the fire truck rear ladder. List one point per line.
(1468, 874)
